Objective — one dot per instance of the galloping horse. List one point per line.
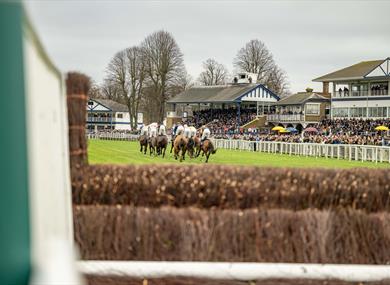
(153, 145)
(197, 146)
(162, 143)
(208, 148)
(180, 144)
(152, 138)
(178, 131)
(143, 141)
(191, 145)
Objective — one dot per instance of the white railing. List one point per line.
(113, 136)
(243, 271)
(100, 119)
(363, 93)
(286, 117)
(339, 151)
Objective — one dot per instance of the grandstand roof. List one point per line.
(112, 105)
(217, 94)
(301, 98)
(356, 71)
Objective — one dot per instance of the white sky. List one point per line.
(307, 38)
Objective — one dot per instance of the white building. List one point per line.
(360, 90)
(105, 114)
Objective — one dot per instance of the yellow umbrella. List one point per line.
(381, 128)
(277, 128)
(284, 131)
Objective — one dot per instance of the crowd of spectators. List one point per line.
(337, 131)
(221, 121)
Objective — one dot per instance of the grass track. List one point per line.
(124, 152)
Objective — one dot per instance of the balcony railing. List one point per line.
(285, 118)
(100, 119)
(364, 93)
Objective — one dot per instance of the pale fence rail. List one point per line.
(112, 136)
(243, 271)
(338, 151)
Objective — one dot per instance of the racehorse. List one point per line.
(152, 145)
(180, 144)
(143, 141)
(178, 131)
(162, 143)
(208, 148)
(197, 146)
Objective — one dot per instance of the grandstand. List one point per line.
(360, 90)
(239, 96)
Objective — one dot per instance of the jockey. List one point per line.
(144, 131)
(205, 135)
(192, 132)
(179, 130)
(162, 131)
(152, 131)
(187, 132)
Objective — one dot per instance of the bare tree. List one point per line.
(277, 81)
(163, 65)
(254, 57)
(136, 75)
(126, 75)
(95, 92)
(214, 73)
(181, 83)
(110, 90)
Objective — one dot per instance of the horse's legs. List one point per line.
(163, 152)
(197, 151)
(184, 153)
(207, 156)
(171, 146)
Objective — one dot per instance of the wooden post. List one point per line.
(77, 87)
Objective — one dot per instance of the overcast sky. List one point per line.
(306, 38)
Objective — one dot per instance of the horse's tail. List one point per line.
(191, 142)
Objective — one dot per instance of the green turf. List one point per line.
(123, 152)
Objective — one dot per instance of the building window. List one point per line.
(379, 88)
(358, 112)
(377, 112)
(340, 112)
(312, 109)
(119, 116)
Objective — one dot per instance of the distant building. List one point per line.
(300, 109)
(242, 94)
(105, 114)
(360, 90)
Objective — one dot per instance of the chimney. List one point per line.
(325, 88)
